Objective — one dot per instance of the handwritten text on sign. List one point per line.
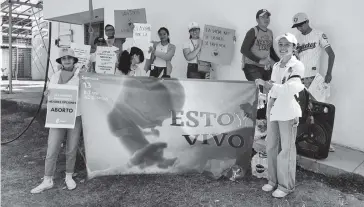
(62, 106)
(124, 17)
(142, 36)
(105, 60)
(82, 52)
(218, 45)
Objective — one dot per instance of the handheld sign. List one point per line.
(106, 58)
(124, 17)
(319, 88)
(62, 106)
(82, 52)
(218, 45)
(142, 36)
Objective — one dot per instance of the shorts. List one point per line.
(253, 72)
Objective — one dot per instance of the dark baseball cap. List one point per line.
(100, 40)
(261, 13)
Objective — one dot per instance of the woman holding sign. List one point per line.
(283, 112)
(162, 54)
(67, 75)
(128, 62)
(191, 51)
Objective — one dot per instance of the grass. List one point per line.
(23, 164)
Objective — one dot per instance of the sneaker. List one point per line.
(279, 194)
(332, 149)
(45, 185)
(71, 184)
(267, 188)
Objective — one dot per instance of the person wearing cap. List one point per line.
(67, 75)
(283, 114)
(311, 43)
(191, 51)
(258, 53)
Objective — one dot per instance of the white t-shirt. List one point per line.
(310, 47)
(159, 62)
(192, 47)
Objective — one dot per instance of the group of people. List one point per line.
(281, 75)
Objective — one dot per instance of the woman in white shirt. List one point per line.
(162, 54)
(67, 75)
(128, 62)
(283, 112)
(191, 51)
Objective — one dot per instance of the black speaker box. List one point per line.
(314, 138)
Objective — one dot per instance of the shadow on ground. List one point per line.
(23, 164)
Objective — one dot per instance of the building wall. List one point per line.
(340, 20)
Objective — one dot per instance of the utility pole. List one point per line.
(10, 46)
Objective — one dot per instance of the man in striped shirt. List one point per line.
(311, 42)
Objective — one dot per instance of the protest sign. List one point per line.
(218, 45)
(139, 125)
(106, 58)
(124, 17)
(62, 106)
(319, 89)
(142, 36)
(82, 52)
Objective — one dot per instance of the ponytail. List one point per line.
(295, 52)
(124, 62)
(125, 59)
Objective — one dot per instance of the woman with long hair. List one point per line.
(283, 112)
(162, 54)
(67, 75)
(191, 51)
(128, 62)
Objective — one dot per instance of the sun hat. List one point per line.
(66, 52)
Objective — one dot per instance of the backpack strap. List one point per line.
(295, 76)
(256, 31)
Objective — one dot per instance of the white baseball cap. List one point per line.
(290, 37)
(66, 52)
(298, 19)
(193, 25)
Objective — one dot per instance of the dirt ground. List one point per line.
(22, 165)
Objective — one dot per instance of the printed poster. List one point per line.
(62, 106)
(106, 58)
(218, 45)
(141, 125)
(124, 17)
(82, 52)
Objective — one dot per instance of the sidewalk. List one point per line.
(342, 161)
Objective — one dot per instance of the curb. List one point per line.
(315, 166)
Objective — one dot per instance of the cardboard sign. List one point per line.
(62, 106)
(82, 52)
(106, 58)
(142, 36)
(124, 17)
(218, 45)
